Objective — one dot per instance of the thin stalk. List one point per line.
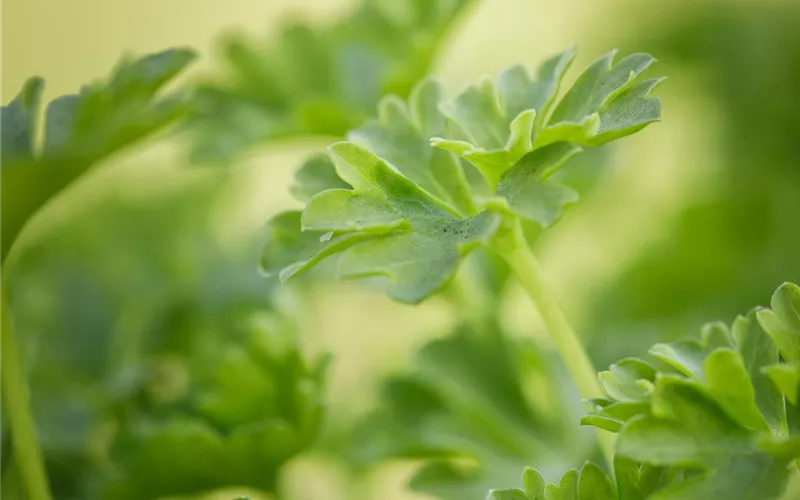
(513, 247)
(27, 454)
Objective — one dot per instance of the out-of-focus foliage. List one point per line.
(742, 237)
(632, 481)
(157, 364)
(467, 412)
(320, 81)
(81, 130)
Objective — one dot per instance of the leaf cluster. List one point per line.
(414, 191)
(711, 416)
(314, 80)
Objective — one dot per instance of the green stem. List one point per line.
(27, 455)
(513, 247)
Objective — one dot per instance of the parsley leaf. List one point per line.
(81, 130)
(404, 233)
(499, 125)
(717, 408)
(414, 210)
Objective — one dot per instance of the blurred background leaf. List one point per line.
(318, 81)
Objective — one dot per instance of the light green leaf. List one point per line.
(786, 378)
(752, 476)
(758, 351)
(685, 356)
(495, 126)
(594, 484)
(518, 92)
(627, 475)
(315, 176)
(288, 251)
(623, 380)
(401, 136)
(533, 483)
(612, 416)
(525, 188)
(687, 428)
(512, 494)
(782, 323)
(594, 96)
(567, 489)
(729, 384)
(422, 240)
(630, 112)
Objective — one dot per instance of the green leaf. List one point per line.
(745, 477)
(511, 494)
(495, 127)
(758, 351)
(416, 210)
(629, 112)
(567, 489)
(720, 425)
(18, 127)
(623, 380)
(786, 378)
(518, 92)
(421, 240)
(730, 385)
(687, 428)
(604, 104)
(687, 356)
(401, 136)
(315, 176)
(612, 416)
(526, 191)
(288, 251)
(782, 323)
(594, 484)
(533, 483)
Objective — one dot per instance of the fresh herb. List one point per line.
(715, 415)
(411, 215)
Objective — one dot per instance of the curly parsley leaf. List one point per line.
(415, 210)
(718, 406)
(403, 232)
(321, 81)
(81, 130)
(497, 125)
